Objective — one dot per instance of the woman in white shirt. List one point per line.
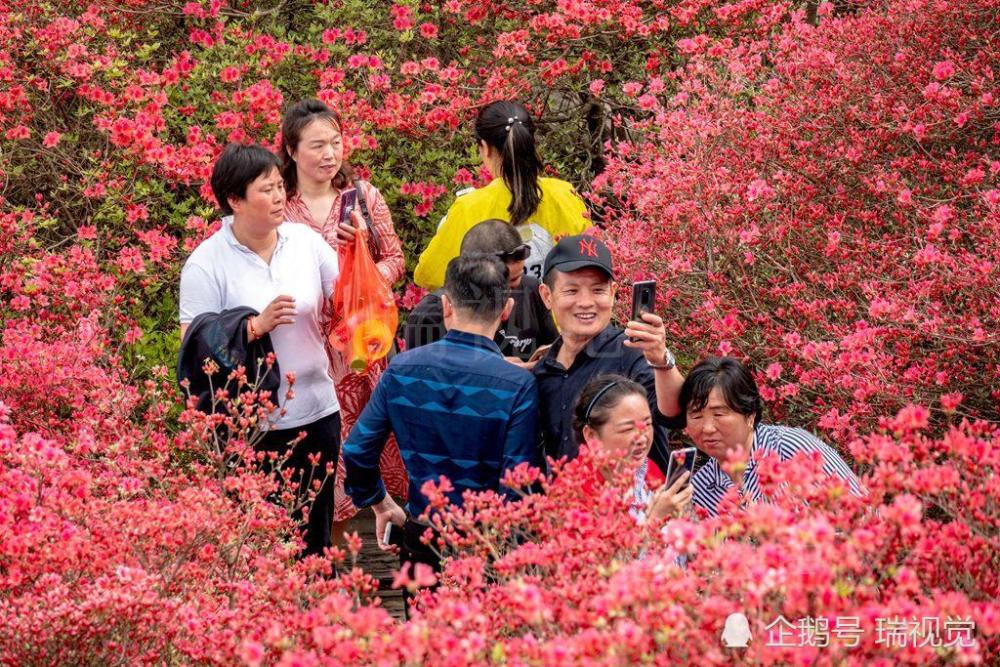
(285, 272)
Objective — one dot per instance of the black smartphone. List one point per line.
(680, 460)
(348, 202)
(643, 298)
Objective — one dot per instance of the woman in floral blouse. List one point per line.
(315, 173)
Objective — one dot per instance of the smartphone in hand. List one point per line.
(393, 535)
(348, 202)
(643, 299)
(538, 353)
(680, 460)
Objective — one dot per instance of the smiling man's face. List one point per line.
(581, 301)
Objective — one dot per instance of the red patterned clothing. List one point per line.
(392, 264)
(354, 389)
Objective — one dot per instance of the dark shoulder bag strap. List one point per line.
(373, 240)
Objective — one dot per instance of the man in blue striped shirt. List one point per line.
(722, 409)
(457, 408)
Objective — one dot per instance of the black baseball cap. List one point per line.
(573, 253)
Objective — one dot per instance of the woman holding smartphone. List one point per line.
(613, 412)
(324, 194)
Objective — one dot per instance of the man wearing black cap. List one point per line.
(578, 287)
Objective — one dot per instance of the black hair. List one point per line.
(477, 285)
(491, 237)
(296, 119)
(507, 127)
(599, 398)
(549, 279)
(238, 166)
(728, 374)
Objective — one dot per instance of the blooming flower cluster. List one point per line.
(814, 186)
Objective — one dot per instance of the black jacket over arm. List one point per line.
(222, 337)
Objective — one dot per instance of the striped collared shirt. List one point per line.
(711, 483)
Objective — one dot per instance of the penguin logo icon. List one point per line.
(737, 631)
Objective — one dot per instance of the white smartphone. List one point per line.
(680, 460)
(393, 535)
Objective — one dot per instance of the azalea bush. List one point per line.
(591, 586)
(825, 202)
(814, 187)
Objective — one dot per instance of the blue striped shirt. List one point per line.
(711, 482)
(458, 409)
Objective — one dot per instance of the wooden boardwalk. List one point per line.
(381, 565)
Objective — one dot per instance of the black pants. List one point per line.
(412, 550)
(323, 438)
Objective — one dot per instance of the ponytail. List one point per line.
(507, 127)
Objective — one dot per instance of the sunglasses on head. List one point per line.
(518, 254)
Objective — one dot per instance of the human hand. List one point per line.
(346, 232)
(280, 311)
(539, 352)
(386, 512)
(516, 361)
(649, 336)
(672, 501)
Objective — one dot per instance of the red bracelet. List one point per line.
(253, 332)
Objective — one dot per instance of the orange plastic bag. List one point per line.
(364, 309)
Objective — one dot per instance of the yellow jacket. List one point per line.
(560, 213)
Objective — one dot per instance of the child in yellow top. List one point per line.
(542, 209)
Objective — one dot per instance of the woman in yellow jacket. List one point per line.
(542, 209)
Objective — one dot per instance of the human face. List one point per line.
(319, 153)
(717, 428)
(515, 271)
(581, 302)
(629, 430)
(264, 204)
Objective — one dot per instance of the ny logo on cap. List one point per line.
(588, 248)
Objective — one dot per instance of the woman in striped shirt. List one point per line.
(722, 408)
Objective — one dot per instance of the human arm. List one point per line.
(671, 502)
(796, 440)
(387, 511)
(637, 369)
(521, 444)
(392, 264)
(651, 339)
(363, 449)
(362, 452)
(199, 293)
(280, 311)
